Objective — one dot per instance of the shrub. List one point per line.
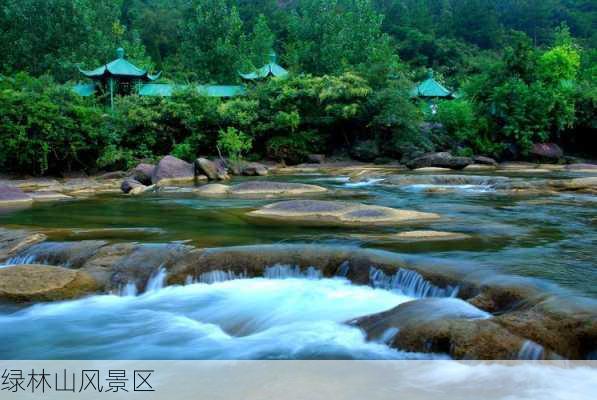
(46, 127)
(233, 143)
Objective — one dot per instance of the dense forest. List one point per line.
(524, 71)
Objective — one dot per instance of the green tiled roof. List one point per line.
(166, 90)
(269, 69)
(84, 89)
(120, 68)
(431, 88)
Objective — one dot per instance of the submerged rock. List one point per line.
(172, 170)
(10, 195)
(24, 283)
(446, 179)
(441, 160)
(339, 212)
(274, 188)
(429, 236)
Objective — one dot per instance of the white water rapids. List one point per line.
(293, 318)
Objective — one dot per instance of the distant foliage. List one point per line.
(525, 71)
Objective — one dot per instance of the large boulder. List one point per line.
(442, 325)
(172, 170)
(439, 160)
(339, 213)
(550, 151)
(143, 173)
(24, 283)
(416, 312)
(10, 195)
(213, 170)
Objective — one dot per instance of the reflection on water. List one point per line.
(553, 237)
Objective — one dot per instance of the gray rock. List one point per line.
(213, 170)
(484, 160)
(172, 170)
(439, 160)
(143, 173)
(130, 184)
(547, 150)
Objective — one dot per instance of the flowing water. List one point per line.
(258, 318)
(224, 316)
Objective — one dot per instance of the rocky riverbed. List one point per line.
(405, 263)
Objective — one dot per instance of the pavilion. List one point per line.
(120, 77)
(271, 69)
(431, 89)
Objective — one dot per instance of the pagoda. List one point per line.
(118, 77)
(432, 89)
(272, 68)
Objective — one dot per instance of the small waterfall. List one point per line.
(219, 276)
(24, 259)
(287, 271)
(130, 289)
(157, 281)
(409, 282)
(531, 351)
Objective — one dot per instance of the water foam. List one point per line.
(236, 319)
